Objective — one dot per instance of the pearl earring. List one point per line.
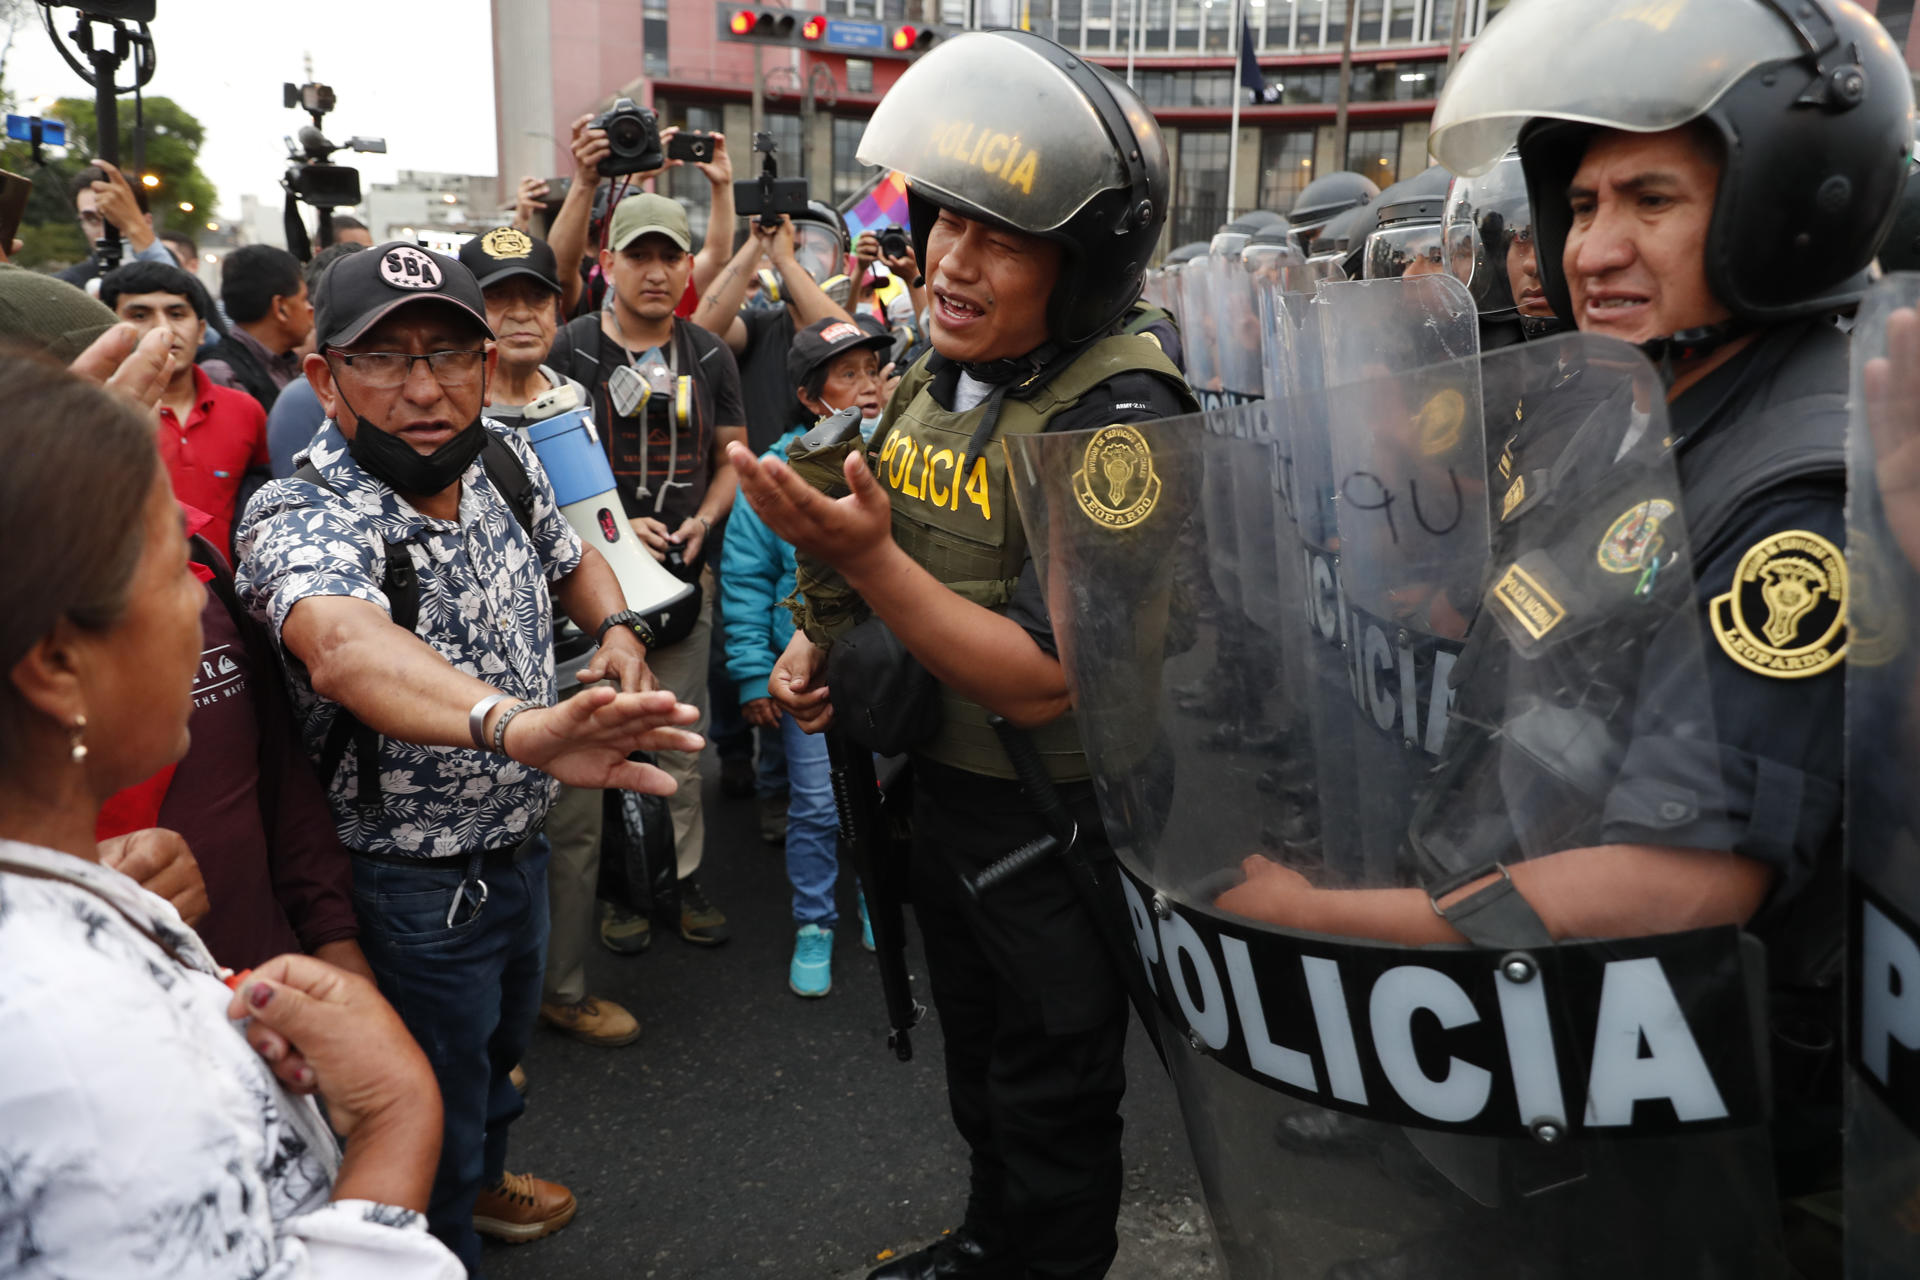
(78, 734)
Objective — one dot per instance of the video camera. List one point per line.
(633, 134)
(312, 177)
(769, 195)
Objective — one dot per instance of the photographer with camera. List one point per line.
(600, 155)
(892, 248)
(666, 397)
(102, 195)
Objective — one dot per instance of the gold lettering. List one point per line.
(897, 465)
(990, 160)
(984, 140)
(1023, 176)
(934, 492)
(912, 457)
(977, 489)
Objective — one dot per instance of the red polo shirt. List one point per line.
(224, 436)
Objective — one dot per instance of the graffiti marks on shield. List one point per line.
(1785, 615)
(1116, 485)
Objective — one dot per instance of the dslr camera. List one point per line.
(769, 195)
(633, 133)
(894, 242)
(312, 177)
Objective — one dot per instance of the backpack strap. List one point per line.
(509, 476)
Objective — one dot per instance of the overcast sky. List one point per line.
(419, 74)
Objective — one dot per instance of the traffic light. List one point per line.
(815, 27)
(908, 39)
(759, 24)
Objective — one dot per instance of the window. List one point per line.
(1199, 202)
(1374, 154)
(1186, 24)
(859, 75)
(1279, 20)
(1100, 24)
(1155, 23)
(1398, 81)
(1311, 12)
(1306, 86)
(1440, 21)
(1400, 20)
(1066, 23)
(653, 38)
(791, 155)
(1219, 31)
(1286, 166)
(848, 173)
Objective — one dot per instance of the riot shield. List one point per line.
(1883, 761)
(1199, 326)
(1578, 1090)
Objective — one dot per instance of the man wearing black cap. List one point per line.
(521, 283)
(409, 571)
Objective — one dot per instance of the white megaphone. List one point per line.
(562, 435)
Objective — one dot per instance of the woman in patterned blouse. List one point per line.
(152, 1121)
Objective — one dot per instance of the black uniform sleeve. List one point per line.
(1780, 736)
(1127, 397)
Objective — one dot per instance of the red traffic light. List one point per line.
(904, 37)
(815, 28)
(741, 22)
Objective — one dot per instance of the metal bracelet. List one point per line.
(500, 725)
(477, 718)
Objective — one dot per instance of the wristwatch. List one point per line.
(625, 618)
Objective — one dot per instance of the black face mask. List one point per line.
(390, 459)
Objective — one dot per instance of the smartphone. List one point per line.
(14, 191)
(691, 146)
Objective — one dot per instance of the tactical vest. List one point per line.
(965, 530)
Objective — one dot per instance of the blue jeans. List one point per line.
(813, 828)
(469, 994)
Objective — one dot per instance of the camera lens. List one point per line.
(625, 134)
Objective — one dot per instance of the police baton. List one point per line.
(856, 797)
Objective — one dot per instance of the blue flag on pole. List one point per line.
(1250, 76)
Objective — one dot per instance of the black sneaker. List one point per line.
(700, 921)
(624, 932)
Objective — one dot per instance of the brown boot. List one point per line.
(522, 1208)
(592, 1020)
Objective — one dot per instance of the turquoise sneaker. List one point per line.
(811, 974)
(866, 925)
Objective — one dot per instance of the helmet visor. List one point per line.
(1411, 250)
(817, 249)
(987, 122)
(1639, 65)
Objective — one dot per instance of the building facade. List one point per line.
(557, 59)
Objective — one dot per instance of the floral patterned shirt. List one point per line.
(484, 607)
(139, 1134)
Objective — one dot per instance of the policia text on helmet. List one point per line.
(1038, 188)
(1780, 129)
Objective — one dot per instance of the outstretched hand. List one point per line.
(852, 533)
(585, 741)
(124, 361)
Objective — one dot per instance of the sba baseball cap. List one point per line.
(822, 340)
(362, 289)
(645, 214)
(503, 252)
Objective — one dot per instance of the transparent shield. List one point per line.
(1364, 1093)
(1200, 326)
(1415, 250)
(1620, 64)
(1883, 823)
(1021, 143)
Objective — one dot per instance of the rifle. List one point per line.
(856, 795)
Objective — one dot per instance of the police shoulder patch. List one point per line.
(1633, 537)
(1116, 485)
(1786, 613)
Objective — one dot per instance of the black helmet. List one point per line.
(1185, 253)
(1011, 129)
(1326, 198)
(1810, 103)
(1901, 249)
(1407, 240)
(1347, 235)
(1489, 247)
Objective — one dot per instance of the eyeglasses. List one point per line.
(385, 370)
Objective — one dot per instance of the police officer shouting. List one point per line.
(1717, 203)
(1037, 192)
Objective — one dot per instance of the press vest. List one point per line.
(956, 518)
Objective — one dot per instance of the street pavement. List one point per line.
(752, 1133)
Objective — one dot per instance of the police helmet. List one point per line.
(1810, 104)
(1326, 198)
(1901, 250)
(1185, 253)
(1347, 236)
(1011, 129)
(1407, 240)
(1490, 248)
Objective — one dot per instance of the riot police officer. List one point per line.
(1406, 240)
(1720, 218)
(1324, 199)
(1037, 186)
(1489, 247)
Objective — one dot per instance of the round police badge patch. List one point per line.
(1439, 421)
(1786, 614)
(1116, 485)
(1628, 541)
(506, 242)
(406, 267)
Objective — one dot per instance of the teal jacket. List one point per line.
(756, 574)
